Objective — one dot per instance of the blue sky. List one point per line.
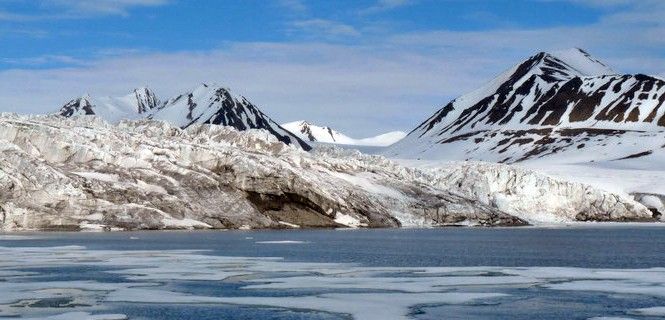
(362, 66)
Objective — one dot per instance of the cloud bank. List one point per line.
(369, 83)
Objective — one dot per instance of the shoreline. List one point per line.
(567, 225)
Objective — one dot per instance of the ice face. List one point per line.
(149, 277)
(85, 174)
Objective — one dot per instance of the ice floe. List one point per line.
(31, 289)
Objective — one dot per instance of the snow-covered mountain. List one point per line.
(559, 106)
(135, 105)
(211, 104)
(315, 133)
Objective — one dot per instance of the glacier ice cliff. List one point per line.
(83, 173)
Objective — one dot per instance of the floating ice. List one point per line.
(82, 316)
(281, 242)
(147, 276)
(8, 237)
(653, 311)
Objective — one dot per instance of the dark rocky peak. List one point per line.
(79, 106)
(146, 100)
(561, 66)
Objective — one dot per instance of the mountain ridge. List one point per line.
(207, 103)
(541, 107)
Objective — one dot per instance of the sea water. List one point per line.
(581, 272)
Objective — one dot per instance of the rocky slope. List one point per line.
(315, 133)
(206, 103)
(559, 105)
(83, 173)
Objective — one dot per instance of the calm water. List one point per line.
(454, 273)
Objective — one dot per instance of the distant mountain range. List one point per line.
(563, 105)
(135, 105)
(314, 133)
(205, 104)
(215, 105)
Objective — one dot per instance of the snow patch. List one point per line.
(290, 225)
(347, 220)
(185, 223)
(106, 177)
(314, 133)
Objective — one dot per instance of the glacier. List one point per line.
(82, 173)
(322, 134)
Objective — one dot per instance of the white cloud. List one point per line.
(382, 85)
(78, 9)
(605, 3)
(390, 4)
(353, 88)
(383, 5)
(387, 83)
(630, 39)
(102, 7)
(326, 28)
(23, 32)
(42, 60)
(9, 16)
(297, 6)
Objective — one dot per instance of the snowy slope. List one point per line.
(558, 106)
(583, 62)
(204, 104)
(314, 133)
(132, 106)
(218, 105)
